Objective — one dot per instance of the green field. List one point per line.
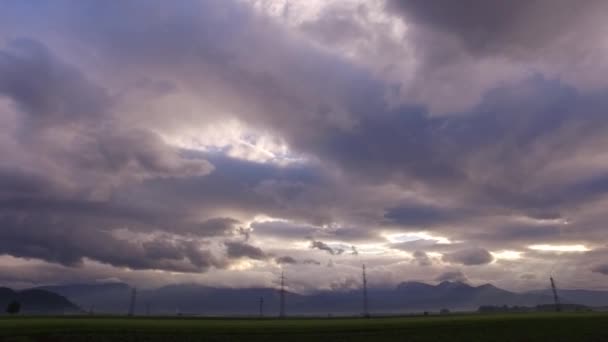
(515, 327)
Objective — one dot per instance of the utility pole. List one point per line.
(132, 303)
(558, 306)
(261, 307)
(365, 302)
(282, 296)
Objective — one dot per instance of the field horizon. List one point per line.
(455, 327)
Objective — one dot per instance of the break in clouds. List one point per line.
(221, 142)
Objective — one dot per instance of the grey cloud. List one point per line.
(51, 93)
(415, 245)
(496, 26)
(69, 240)
(334, 26)
(218, 226)
(469, 257)
(418, 215)
(452, 276)
(139, 151)
(301, 231)
(345, 284)
(45, 88)
(162, 249)
(311, 262)
(320, 245)
(243, 250)
(602, 269)
(288, 260)
(283, 229)
(528, 276)
(524, 148)
(421, 258)
(285, 260)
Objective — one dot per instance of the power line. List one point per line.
(365, 300)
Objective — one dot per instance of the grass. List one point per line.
(514, 327)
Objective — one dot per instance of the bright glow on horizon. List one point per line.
(408, 237)
(237, 140)
(559, 248)
(507, 255)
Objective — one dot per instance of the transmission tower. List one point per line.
(261, 306)
(365, 302)
(132, 302)
(558, 306)
(282, 297)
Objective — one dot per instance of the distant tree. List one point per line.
(444, 312)
(13, 307)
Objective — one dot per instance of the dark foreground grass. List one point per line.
(520, 327)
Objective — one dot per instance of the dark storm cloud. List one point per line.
(15, 181)
(69, 242)
(518, 234)
(469, 257)
(88, 159)
(297, 191)
(446, 154)
(500, 26)
(417, 215)
(602, 269)
(320, 245)
(45, 88)
(243, 250)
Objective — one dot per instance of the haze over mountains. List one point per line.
(37, 301)
(404, 298)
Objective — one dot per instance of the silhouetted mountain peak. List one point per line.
(453, 285)
(413, 285)
(38, 301)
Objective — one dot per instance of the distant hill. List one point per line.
(37, 301)
(584, 297)
(98, 297)
(197, 299)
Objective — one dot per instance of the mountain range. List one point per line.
(407, 297)
(37, 301)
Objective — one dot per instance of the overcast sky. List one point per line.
(222, 141)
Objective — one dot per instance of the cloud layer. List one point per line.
(225, 141)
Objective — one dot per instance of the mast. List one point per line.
(132, 301)
(558, 306)
(261, 306)
(282, 298)
(365, 300)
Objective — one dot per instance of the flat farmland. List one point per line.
(513, 327)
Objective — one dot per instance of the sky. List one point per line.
(222, 142)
